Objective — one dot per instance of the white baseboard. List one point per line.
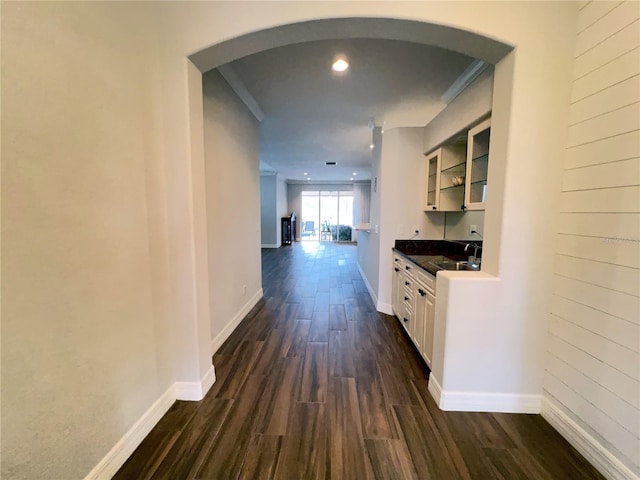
(195, 391)
(601, 458)
(269, 245)
(384, 308)
(372, 293)
(434, 389)
(488, 402)
(122, 450)
(219, 339)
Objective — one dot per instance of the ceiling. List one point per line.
(313, 115)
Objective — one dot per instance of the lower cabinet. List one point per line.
(414, 301)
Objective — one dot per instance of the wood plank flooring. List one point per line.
(315, 384)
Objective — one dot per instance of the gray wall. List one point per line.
(269, 231)
(232, 172)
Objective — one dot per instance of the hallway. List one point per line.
(314, 383)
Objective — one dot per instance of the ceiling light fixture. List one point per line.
(340, 64)
(351, 178)
(305, 174)
(371, 146)
(355, 173)
(308, 178)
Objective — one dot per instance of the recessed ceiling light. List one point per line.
(305, 174)
(340, 64)
(355, 173)
(371, 145)
(351, 178)
(308, 178)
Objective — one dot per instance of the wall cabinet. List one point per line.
(413, 299)
(456, 174)
(444, 167)
(477, 166)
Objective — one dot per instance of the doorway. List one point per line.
(326, 216)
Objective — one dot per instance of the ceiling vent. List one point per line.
(330, 163)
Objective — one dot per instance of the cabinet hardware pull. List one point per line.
(396, 269)
(421, 292)
(407, 267)
(434, 208)
(407, 283)
(406, 298)
(405, 320)
(395, 259)
(463, 207)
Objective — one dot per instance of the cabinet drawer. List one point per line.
(410, 269)
(426, 279)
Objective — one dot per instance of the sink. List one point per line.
(451, 265)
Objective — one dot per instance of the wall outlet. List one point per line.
(472, 229)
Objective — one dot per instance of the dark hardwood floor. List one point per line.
(314, 383)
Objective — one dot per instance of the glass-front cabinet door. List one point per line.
(475, 191)
(432, 181)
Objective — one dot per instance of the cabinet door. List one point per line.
(477, 166)
(432, 181)
(420, 317)
(397, 286)
(430, 316)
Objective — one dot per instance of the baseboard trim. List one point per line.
(219, 339)
(372, 293)
(488, 402)
(195, 391)
(434, 389)
(122, 450)
(601, 458)
(269, 245)
(385, 308)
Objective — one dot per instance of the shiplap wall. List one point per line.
(593, 361)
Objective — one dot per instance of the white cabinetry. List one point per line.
(413, 298)
(445, 166)
(475, 189)
(456, 177)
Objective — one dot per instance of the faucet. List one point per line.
(473, 260)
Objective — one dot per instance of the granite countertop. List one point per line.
(425, 252)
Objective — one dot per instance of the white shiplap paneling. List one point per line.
(625, 173)
(593, 12)
(610, 25)
(607, 275)
(615, 71)
(613, 47)
(610, 99)
(592, 370)
(615, 250)
(604, 200)
(604, 225)
(614, 380)
(621, 305)
(620, 147)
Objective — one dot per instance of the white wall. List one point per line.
(269, 220)
(401, 184)
(457, 224)
(592, 362)
(62, 59)
(233, 203)
(87, 308)
(369, 242)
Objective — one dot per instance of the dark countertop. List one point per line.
(423, 252)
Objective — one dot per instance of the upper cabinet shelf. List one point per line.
(457, 174)
(475, 190)
(445, 171)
